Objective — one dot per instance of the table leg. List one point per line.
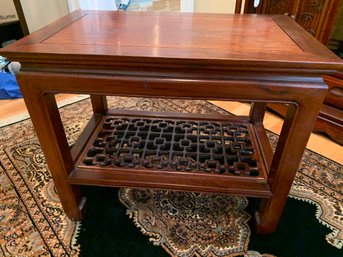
(49, 129)
(99, 104)
(238, 6)
(291, 145)
(257, 112)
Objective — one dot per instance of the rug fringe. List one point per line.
(331, 238)
(156, 239)
(74, 238)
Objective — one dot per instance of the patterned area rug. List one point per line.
(34, 224)
(190, 224)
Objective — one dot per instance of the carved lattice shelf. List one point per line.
(180, 151)
(175, 145)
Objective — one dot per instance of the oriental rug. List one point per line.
(184, 224)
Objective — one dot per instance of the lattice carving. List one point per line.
(162, 144)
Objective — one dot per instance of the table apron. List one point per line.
(242, 90)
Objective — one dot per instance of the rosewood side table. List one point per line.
(257, 59)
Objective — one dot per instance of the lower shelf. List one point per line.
(183, 153)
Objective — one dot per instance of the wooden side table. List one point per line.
(258, 59)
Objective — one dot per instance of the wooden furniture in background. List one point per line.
(316, 16)
(21, 17)
(330, 117)
(238, 6)
(140, 54)
(335, 94)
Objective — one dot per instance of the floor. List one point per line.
(317, 143)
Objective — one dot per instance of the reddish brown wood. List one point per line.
(190, 88)
(161, 180)
(107, 53)
(263, 142)
(21, 16)
(46, 119)
(181, 116)
(257, 112)
(286, 157)
(84, 136)
(99, 104)
(335, 95)
(330, 117)
(330, 122)
(119, 47)
(238, 6)
(318, 17)
(167, 177)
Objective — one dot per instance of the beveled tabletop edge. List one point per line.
(303, 40)
(47, 31)
(313, 49)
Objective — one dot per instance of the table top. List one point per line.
(90, 37)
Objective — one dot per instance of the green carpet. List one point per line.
(108, 231)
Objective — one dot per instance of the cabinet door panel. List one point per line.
(278, 6)
(316, 16)
(311, 15)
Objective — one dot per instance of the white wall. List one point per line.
(216, 6)
(73, 5)
(39, 13)
(187, 5)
